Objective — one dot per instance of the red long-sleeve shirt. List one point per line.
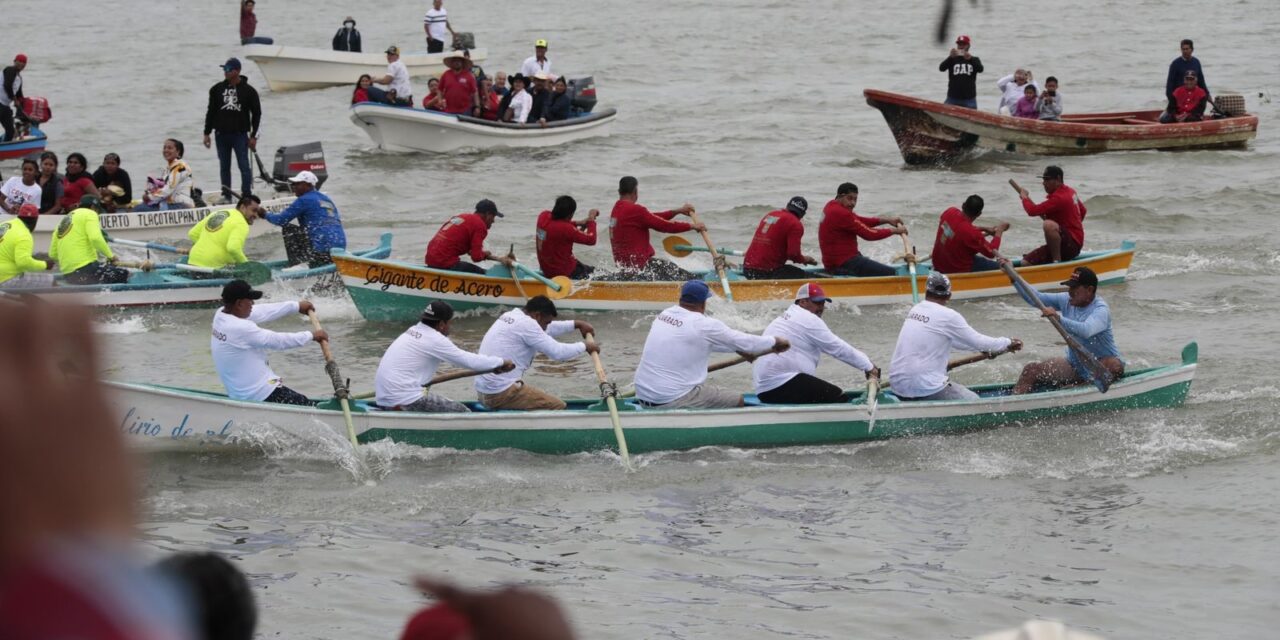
(958, 240)
(839, 231)
(629, 226)
(1064, 207)
(555, 244)
(460, 235)
(777, 240)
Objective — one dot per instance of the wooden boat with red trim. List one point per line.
(931, 132)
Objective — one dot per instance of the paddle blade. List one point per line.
(566, 287)
(255, 273)
(677, 246)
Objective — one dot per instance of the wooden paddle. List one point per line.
(873, 399)
(515, 277)
(725, 364)
(145, 265)
(716, 258)
(1100, 375)
(910, 257)
(679, 247)
(155, 246)
(977, 357)
(609, 392)
(255, 273)
(557, 287)
(439, 379)
(339, 389)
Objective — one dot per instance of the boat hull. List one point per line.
(386, 290)
(297, 68)
(404, 129)
(160, 417)
(930, 132)
(33, 144)
(169, 287)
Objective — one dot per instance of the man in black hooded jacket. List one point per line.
(347, 38)
(235, 114)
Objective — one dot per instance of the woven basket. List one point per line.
(1231, 104)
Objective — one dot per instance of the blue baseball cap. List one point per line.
(695, 292)
(232, 64)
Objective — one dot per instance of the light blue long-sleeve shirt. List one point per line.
(1090, 324)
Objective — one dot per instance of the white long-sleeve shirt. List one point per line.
(522, 104)
(411, 361)
(675, 354)
(810, 338)
(240, 349)
(931, 331)
(1011, 92)
(518, 338)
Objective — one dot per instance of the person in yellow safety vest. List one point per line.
(219, 238)
(78, 241)
(18, 269)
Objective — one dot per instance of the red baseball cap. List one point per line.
(812, 292)
(962, 40)
(21, 57)
(438, 622)
(28, 210)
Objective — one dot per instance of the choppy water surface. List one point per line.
(1157, 524)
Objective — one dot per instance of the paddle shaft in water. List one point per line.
(716, 258)
(515, 277)
(610, 394)
(873, 399)
(1101, 376)
(145, 265)
(910, 257)
(339, 389)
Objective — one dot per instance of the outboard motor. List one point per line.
(290, 160)
(583, 93)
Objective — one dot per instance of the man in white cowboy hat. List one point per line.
(320, 224)
(918, 370)
(397, 78)
(458, 86)
(538, 61)
(435, 25)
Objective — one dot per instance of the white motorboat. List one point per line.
(406, 129)
(294, 68)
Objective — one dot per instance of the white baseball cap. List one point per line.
(307, 177)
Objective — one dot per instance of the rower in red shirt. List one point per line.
(556, 235)
(839, 232)
(959, 242)
(776, 241)
(629, 226)
(459, 86)
(461, 235)
(1063, 214)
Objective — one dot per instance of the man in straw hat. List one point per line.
(412, 360)
(458, 86)
(918, 370)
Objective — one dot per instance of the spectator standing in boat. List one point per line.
(962, 69)
(109, 173)
(960, 245)
(777, 240)
(556, 234)
(559, 105)
(1086, 317)
(458, 87)
(18, 191)
(840, 229)
(436, 24)
(412, 360)
(396, 79)
(1010, 88)
(11, 97)
(463, 235)
(218, 240)
(1063, 214)
(629, 226)
(77, 182)
(348, 37)
(249, 25)
(520, 102)
(1025, 107)
(18, 268)
(77, 243)
(319, 223)
(519, 335)
(918, 370)
(1049, 104)
(1188, 103)
(538, 62)
(233, 116)
(673, 366)
(240, 347)
(174, 191)
(1178, 71)
(788, 377)
(51, 184)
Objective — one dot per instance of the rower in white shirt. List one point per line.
(518, 335)
(787, 378)
(411, 361)
(673, 367)
(918, 370)
(240, 346)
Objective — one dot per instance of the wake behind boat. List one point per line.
(295, 68)
(929, 132)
